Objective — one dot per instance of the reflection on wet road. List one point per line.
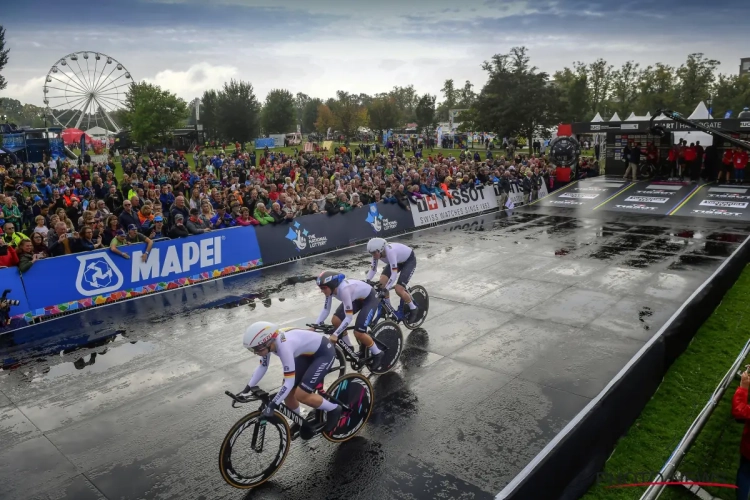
(531, 315)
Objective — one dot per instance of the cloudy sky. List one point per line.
(318, 46)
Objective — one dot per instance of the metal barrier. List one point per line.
(669, 470)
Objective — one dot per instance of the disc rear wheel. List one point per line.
(422, 300)
(354, 391)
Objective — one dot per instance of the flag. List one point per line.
(728, 114)
(509, 204)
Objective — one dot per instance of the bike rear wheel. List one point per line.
(422, 300)
(253, 451)
(390, 340)
(356, 392)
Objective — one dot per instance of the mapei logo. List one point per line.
(97, 274)
(302, 238)
(377, 221)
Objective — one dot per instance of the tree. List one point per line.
(516, 100)
(3, 57)
(310, 114)
(325, 120)
(300, 101)
(600, 83)
(469, 121)
(625, 88)
(406, 99)
(467, 96)
(152, 112)
(279, 115)
(450, 98)
(695, 79)
(731, 93)
(384, 114)
(238, 112)
(425, 114)
(349, 114)
(209, 116)
(656, 89)
(192, 109)
(573, 86)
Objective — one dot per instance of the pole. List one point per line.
(670, 468)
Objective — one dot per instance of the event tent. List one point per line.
(700, 113)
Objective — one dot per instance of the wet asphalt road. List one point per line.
(531, 315)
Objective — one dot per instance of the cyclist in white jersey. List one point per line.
(306, 358)
(356, 297)
(400, 265)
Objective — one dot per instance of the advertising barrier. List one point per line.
(461, 203)
(515, 196)
(77, 281)
(264, 143)
(320, 233)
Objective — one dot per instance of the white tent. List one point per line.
(597, 118)
(700, 113)
(615, 118)
(99, 133)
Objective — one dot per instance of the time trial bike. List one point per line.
(387, 336)
(255, 448)
(387, 311)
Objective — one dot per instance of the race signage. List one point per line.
(461, 202)
(718, 202)
(650, 197)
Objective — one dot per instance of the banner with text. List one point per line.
(14, 142)
(461, 203)
(515, 195)
(318, 233)
(93, 278)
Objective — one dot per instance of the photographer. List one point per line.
(5, 305)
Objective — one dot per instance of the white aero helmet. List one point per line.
(376, 245)
(259, 335)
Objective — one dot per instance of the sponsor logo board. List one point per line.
(646, 199)
(584, 196)
(724, 204)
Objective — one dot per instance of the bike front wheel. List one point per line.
(253, 450)
(355, 392)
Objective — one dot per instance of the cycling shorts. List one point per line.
(366, 308)
(406, 268)
(311, 369)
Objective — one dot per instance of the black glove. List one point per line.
(380, 294)
(268, 411)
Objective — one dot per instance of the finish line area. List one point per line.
(533, 313)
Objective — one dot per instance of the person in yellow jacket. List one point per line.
(11, 237)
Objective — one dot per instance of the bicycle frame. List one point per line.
(386, 304)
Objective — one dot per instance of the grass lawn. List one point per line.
(682, 394)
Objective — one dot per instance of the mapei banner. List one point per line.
(88, 279)
(461, 203)
(318, 233)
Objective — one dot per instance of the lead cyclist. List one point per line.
(400, 265)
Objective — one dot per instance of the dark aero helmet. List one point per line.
(331, 279)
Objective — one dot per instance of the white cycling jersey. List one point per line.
(289, 344)
(394, 254)
(347, 292)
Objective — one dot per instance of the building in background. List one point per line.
(745, 66)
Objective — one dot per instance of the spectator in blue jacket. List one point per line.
(222, 219)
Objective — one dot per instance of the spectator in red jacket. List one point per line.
(741, 410)
(740, 162)
(691, 161)
(8, 255)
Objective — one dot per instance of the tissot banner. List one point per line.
(461, 203)
(93, 278)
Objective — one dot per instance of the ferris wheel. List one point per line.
(84, 88)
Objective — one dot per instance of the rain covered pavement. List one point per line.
(531, 315)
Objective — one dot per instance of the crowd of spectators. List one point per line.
(59, 207)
